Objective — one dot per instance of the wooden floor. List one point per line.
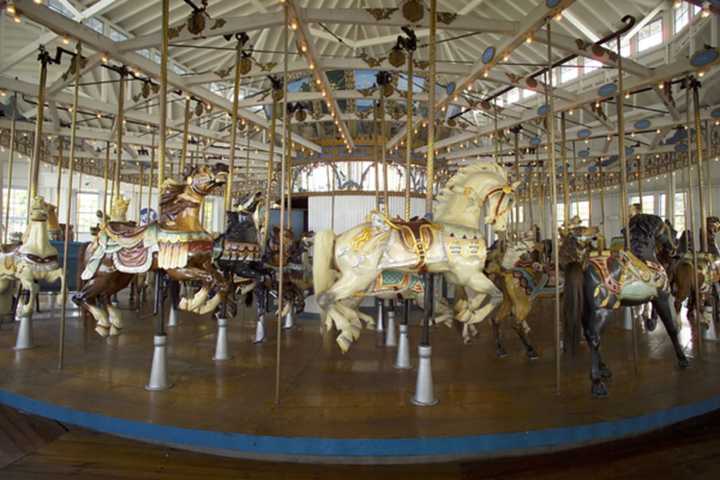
(687, 451)
(357, 395)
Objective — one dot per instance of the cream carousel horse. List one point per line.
(34, 260)
(453, 244)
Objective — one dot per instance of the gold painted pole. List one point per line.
(40, 119)
(516, 147)
(563, 158)
(588, 179)
(699, 162)
(690, 215)
(68, 207)
(288, 161)
(164, 60)
(11, 163)
(152, 170)
(106, 175)
(550, 120)
(120, 129)
(640, 181)
(376, 147)
(602, 197)
(271, 164)
(186, 133)
(59, 172)
(574, 191)
(409, 139)
(283, 172)
(383, 153)
(708, 172)
(624, 182)
(140, 194)
(233, 129)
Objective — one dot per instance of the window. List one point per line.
(625, 50)
(17, 219)
(519, 211)
(528, 93)
(662, 204)
(87, 206)
(591, 64)
(650, 35)
(569, 71)
(681, 15)
(94, 24)
(117, 35)
(60, 8)
(679, 220)
(582, 210)
(648, 203)
(208, 208)
(512, 96)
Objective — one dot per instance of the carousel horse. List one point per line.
(620, 278)
(680, 270)
(34, 260)
(56, 230)
(238, 255)
(346, 265)
(176, 246)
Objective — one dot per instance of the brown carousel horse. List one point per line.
(680, 270)
(176, 246)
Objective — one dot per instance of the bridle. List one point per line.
(503, 190)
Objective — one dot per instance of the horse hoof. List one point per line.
(650, 324)
(683, 363)
(501, 353)
(114, 331)
(599, 390)
(605, 372)
(532, 354)
(102, 331)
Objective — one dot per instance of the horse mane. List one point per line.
(170, 207)
(462, 175)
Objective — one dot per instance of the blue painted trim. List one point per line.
(472, 445)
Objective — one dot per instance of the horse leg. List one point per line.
(499, 348)
(593, 325)
(483, 286)
(663, 307)
(521, 304)
(345, 319)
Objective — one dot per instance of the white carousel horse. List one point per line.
(34, 260)
(453, 244)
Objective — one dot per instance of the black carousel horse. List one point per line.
(620, 279)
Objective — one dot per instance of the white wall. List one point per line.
(351, 210)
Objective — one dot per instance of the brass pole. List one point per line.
(140, 194)
(409, 139)
(690, 215)
(376, 147)
(383, 152)
(233, 128)
(288, 161)
(120, 127)
(602, 197)
(164, 60)
(271, 164)
(708, 185)
(574, 190)
(11, 163)
(640, 181)
(550, 120)
(516, 147)
(44, 58)
(106, 175)
(152, 170)
(588, 179)
(60, 162)
(68, 205)
(563, 158)
(186, 132)
(283, 171)
(699, 162)
(623, 181)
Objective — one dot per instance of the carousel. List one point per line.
(313, 250)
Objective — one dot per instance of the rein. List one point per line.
(503, 190)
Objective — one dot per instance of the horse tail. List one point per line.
(573, 306)
(324, 251)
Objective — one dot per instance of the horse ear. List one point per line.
(516, 185)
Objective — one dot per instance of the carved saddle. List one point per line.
(417, 234)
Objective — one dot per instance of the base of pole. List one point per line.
(259, 331)
(221, 342)
(710, 333)
(173, 316)
(158, 371)
(380, 321)
(424, 391)
(24, 339)
(390, 332)
(288, 321)
(402, 358)
(628, 319)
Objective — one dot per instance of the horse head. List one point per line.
(515, 252)
(39, 210)
(248, 204)
(118, 211)
(203, 179)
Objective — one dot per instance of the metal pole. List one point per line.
(164, 60)
(550, 121)
(271, 164)
(376, 147)
(140, 195)
(409, 138)
(106, 175)
(59, 172)
(40, 119)
(563, 157)
(602, 198)
(640, 181)
(281, 265)
(11, 163)
(383, 152)
(186, 133)
(233, 128)
(120, 127)
(152, 170)
(516, 147)
(699, 161)
(68, 205)
(574, 189)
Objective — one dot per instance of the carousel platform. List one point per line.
(352, 408)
